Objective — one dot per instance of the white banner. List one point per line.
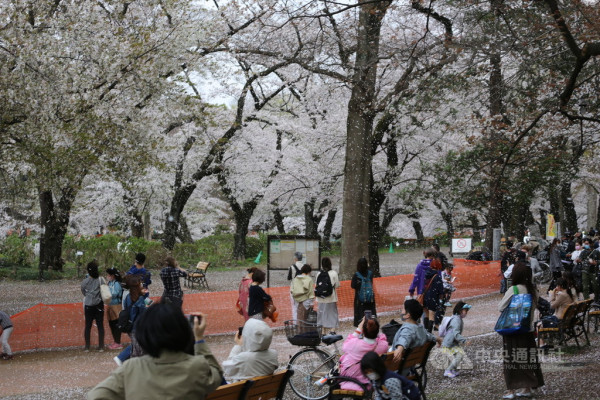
(462, 245)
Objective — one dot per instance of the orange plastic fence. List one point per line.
(61, 325)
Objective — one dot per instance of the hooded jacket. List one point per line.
(303, 288)
(253, 358)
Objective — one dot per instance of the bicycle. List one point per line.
(312, 363)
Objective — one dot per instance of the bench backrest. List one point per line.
(202, 266)
(570, 316)
(583, 307)
(269, 386)
(232, 391)
(388, 360)
(417, 356)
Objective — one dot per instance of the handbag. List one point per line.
(238, 307)
(516, 318)
(270, 311)
(105, 291)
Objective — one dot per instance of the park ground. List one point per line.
(69, 373)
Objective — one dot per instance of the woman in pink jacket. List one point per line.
(365, 338)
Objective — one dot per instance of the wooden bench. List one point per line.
(571, 326)
(415, 360)
(259, 388)
(232, 391)
(336, 393)
(197, 276)
(269, 386)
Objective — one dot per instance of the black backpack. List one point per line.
(124, 322)
(323, 288)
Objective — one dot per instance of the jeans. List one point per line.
(94, 313)
(4, 337)
(125, 354)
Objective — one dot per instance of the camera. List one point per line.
(240, 329)
(368, 314)
(191, 318)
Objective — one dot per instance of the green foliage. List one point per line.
(16, 251)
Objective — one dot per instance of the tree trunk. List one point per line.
(311, 221)
(242, 217)
(418, 231)
(54, 224)
(496, 104)
(592, 207)
(376, 201)
(475, 226)
(184, 234)
(178, 203)
(137, 225)
(447, 217)
(570, 221)
(279, 220)
(327, 229)
(359, 125)
(494, 214)
(147, 229)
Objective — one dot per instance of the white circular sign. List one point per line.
(461, 243)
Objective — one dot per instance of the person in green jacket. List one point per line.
(166, 371)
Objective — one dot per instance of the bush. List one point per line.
(16, 251)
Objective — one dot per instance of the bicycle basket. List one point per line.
(302, 333)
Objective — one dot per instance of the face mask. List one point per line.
(577, 247)
(373, 376)
(586, 246)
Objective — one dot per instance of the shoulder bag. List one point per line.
(516, 318)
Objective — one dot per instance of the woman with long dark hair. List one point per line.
(167, 371)
(93, 305)
(328, 311)
(364, 296)
(521, 375)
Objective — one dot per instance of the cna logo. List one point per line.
(441, 358)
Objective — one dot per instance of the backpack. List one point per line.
(290, 277)
(323, 287)
(365, 293)
(124, 322)
(444, 326)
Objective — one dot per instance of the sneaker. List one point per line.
(118, 361)
(447, 304)
(457, 373)
(449, 374)
(7, 356)
(114, 346)
(524, 393)
(86, 350)
(101, 350)
(509, 394)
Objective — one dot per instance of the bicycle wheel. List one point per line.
(309, 366)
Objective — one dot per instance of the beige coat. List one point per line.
(170, 376)
(303, 288)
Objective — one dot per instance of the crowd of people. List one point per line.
(163, 338)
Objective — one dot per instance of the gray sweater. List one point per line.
(90, 287)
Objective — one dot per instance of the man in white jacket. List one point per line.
(251, 356)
